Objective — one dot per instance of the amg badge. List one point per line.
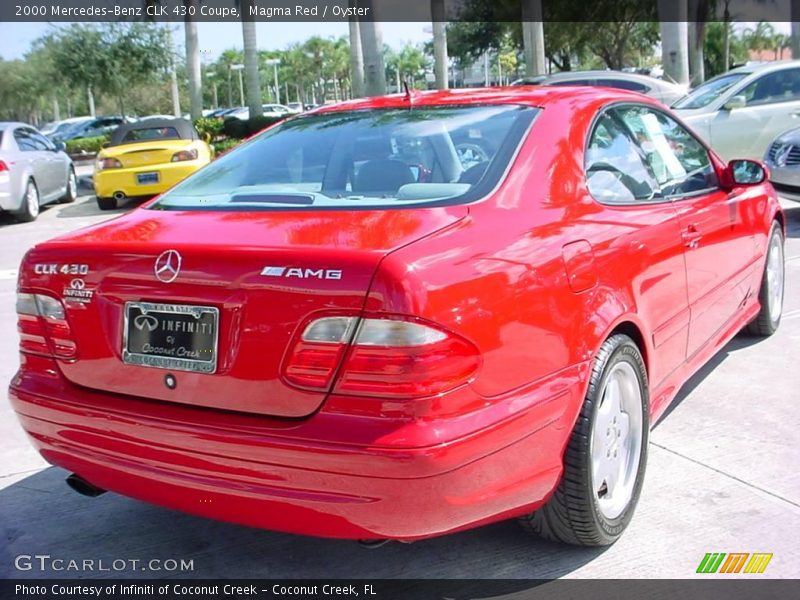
(301, 273)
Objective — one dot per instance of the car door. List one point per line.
(619, 178)
(35, 159)
(53, 166)
(717, 239)
(772, 105)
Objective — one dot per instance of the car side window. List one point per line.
(24, 141)
(574, 82)
(40, 141)
(616, 171)
(772, 88)
(679, 162)
(624, 84)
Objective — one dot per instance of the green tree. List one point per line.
(108, 58)
(760, 38)
(718, 35)
(299, 65)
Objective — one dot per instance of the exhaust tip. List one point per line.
(83, 487)
(119, 196)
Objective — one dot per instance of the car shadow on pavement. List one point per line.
(41, 515)
(87, 207)
(741, 341)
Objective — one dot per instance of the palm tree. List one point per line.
(439, 44)
(726, 40)
(356, 58)
(339, 65)
(173, 76)
(780, 42)
(372, 46)
(251, 74)
(193, 62)
(673, 15)
(317, 49)
(699, 12)
(533, 37)
(297, 62)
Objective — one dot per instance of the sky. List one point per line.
(16, 38)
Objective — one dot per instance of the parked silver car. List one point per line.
(783, 159)
(663, 91)
(33, 171)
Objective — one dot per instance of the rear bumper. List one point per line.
(110, 181)
(271, 474)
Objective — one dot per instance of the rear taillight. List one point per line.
(108, 163)
(43, 327)
(3, 166)
(387, 357)
(185, 155)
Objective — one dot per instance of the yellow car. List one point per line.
(147, 158)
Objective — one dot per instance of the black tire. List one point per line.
(28, 211)
(106, 203)
(769, 317)
(72, 188)
(572, 514)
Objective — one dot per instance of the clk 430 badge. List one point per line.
(67, 269)
(299, 273)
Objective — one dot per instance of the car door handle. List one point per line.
(795, 114)
(691, 236)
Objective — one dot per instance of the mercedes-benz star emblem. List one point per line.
(168, 265)
(148, 322)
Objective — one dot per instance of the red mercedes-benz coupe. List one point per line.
(401, 317)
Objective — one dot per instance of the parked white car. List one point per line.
(661, 90)
(740, 113)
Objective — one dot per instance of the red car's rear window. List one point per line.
(373, 159)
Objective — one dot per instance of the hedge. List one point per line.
(90, 145)
(212, 127)
(225, 145)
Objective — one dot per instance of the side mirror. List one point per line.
(735, 102)
(746, 172)
(60, 147)
(207, 137)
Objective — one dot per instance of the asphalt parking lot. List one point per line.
(722, 477)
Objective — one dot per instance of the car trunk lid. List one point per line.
(265, 274)
(142, 155)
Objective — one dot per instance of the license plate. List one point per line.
(171, 336)
(145, 178)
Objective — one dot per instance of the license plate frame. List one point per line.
(148, 178)
(157, 329)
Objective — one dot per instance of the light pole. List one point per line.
(239, 68)
(274, 62)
